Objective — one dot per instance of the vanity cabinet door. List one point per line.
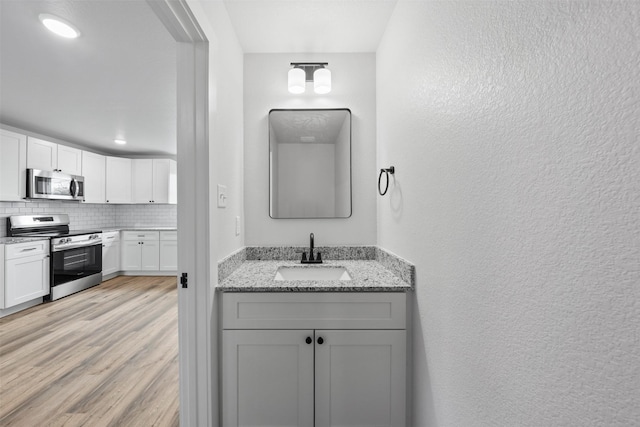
(267, 378)
(360, 378)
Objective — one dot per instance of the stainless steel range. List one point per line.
(76, 256)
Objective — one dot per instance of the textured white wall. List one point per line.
(265, 88)
(514, 130)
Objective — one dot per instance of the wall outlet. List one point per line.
(237, 226)
(222, 196)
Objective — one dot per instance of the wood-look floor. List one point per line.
(106, 356)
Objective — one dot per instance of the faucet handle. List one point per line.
(319, 257)
(304, 256)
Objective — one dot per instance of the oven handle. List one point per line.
(78, 245)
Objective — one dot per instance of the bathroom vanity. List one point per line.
(313, 350)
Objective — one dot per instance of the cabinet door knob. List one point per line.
(309, 340)
(320, 340)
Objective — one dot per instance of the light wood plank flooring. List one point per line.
(107, 356)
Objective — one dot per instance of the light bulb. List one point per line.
(322, 81)
(297, 80)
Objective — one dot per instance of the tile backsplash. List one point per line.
(93, 216)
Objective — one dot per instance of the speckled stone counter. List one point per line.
(371, 269)
(104, 230)
(13, 240)
(258, 276)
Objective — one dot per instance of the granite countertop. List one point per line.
(12, 240)
(104, 230)
(366, 275)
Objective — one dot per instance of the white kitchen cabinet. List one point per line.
(168, 251)
(13, 165)
(110, 254)
(140, 251)
(118, 180)
(49, 156)
(314, 359)
(69, 160)
(94, 173)
(42, 154)
(26, 272)
(151, 180)
(142, 180)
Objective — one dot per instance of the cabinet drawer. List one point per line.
(313, 310)
(140, 235)
(20, 250)
(110, 236)
(168, 235)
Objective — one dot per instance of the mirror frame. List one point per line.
(269, 181)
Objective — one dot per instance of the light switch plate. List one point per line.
(222, 196)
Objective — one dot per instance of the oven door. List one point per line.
(54, 185)
(71, 264)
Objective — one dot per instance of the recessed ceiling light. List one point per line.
(59, 26)
(120, 141)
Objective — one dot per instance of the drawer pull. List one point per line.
(28, 249)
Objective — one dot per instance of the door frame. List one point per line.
(194, 308)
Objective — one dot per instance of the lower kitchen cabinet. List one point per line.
(168, 251)
(141, 251)
(297, 376)
(110, 253)
(149, 252)
(26, 272)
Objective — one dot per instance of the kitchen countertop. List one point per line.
(12, 240)
(367, 276)
(104, 230)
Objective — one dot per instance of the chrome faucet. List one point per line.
(312, 259)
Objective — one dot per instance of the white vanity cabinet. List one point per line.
(110, 254)
(314, 359)
(26, 272)
(13, 165)
(49, 156)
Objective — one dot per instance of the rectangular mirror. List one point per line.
(310, 163)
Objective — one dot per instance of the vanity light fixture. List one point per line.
(120, 141)
(315, 72)
(59, 26)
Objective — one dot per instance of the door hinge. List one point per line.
(183, 280)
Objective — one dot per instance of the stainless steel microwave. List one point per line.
(54, 185)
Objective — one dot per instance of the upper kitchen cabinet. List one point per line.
(49, 156)
(94, 172)
(153, 180)
(13, 165)
(118, 180)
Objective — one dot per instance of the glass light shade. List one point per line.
(322, 81)
(59, 26)
(297, 80)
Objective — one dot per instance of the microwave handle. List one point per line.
(74, 187)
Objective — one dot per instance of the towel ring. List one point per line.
(391, 170)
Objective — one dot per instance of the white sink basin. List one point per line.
(312, 273)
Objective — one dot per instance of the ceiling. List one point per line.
(118, 80)
(327, 26)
